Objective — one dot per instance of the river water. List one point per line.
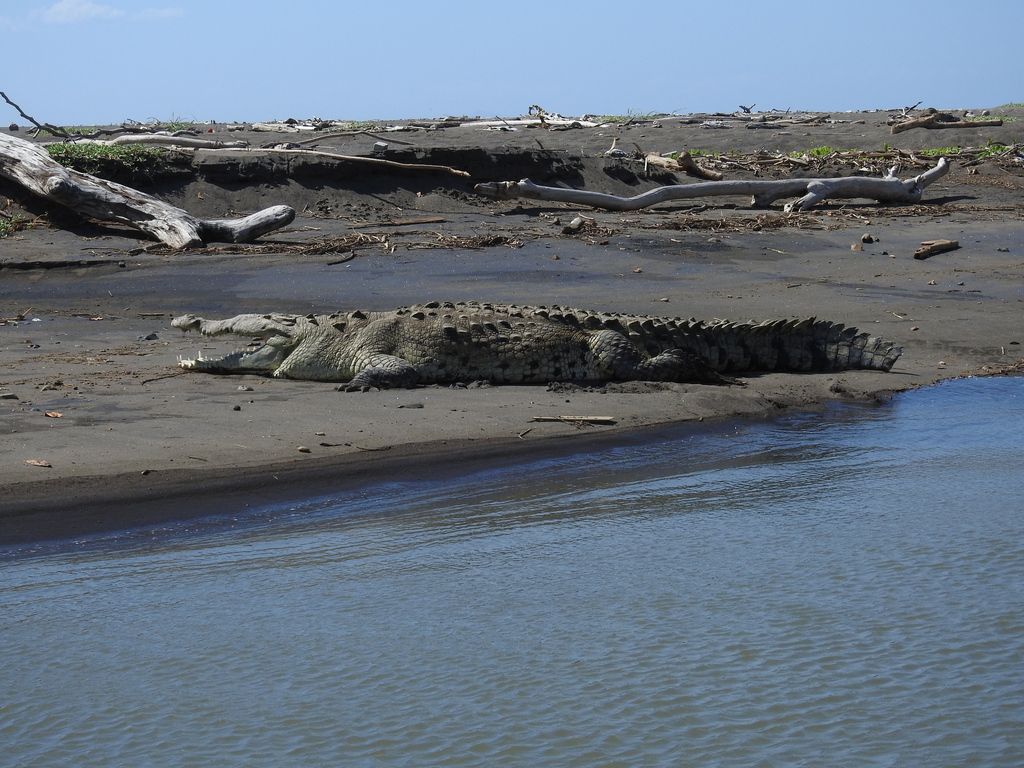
(835, 589)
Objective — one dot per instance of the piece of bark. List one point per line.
(889, 189)
(32, 167)
(932, 247)
(685, 163)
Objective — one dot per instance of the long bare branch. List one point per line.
(889, 189)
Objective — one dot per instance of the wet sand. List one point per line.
(89, 383)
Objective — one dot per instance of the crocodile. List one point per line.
(447, 343)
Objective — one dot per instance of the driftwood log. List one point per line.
(942, 120)
(932, 247)
(32, 167)
(888, 189)
(163, 139)
(683, 162)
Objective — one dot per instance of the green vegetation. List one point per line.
(107, 161)
(1012, 104)
(359, 125)
(629, 117)
(174, 124)
(992, 148)
(11, 224)
(940, 151)
(75, 130)
(818, 152)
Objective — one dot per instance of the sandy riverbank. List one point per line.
(89, 384)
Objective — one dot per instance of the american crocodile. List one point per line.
(444, 342)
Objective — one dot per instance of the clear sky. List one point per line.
(85, 62)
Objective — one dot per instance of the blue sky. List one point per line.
(103, 61)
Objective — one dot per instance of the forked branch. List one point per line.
(888, 189)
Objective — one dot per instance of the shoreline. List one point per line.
(80, 507)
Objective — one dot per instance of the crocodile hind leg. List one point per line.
(383, 372)
(621, 360)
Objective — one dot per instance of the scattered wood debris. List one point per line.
(696, 223)
(473, 242)
(350, 242)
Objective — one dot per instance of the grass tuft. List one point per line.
(629, 117)
(359, 125)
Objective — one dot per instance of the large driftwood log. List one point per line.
(32, 167)
(889, 189)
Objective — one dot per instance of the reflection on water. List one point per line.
(838, 590)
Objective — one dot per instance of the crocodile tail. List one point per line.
(786, 345)
(773, 345)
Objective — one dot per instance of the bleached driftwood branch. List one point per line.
(164, 140)
(942, 120)
(32, 167)
(889, 189)
(379, 162)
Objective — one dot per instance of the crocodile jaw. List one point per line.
(265, 359)
(270, 329)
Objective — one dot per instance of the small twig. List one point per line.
(167, 376)
(326, 136)
(17, 318)
(429, 220)
(577, 419)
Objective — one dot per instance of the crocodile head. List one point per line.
(273, 337)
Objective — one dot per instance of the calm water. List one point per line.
(843, 590)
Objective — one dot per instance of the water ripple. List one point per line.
(839, 590)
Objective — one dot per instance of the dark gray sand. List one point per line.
(89, 384)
